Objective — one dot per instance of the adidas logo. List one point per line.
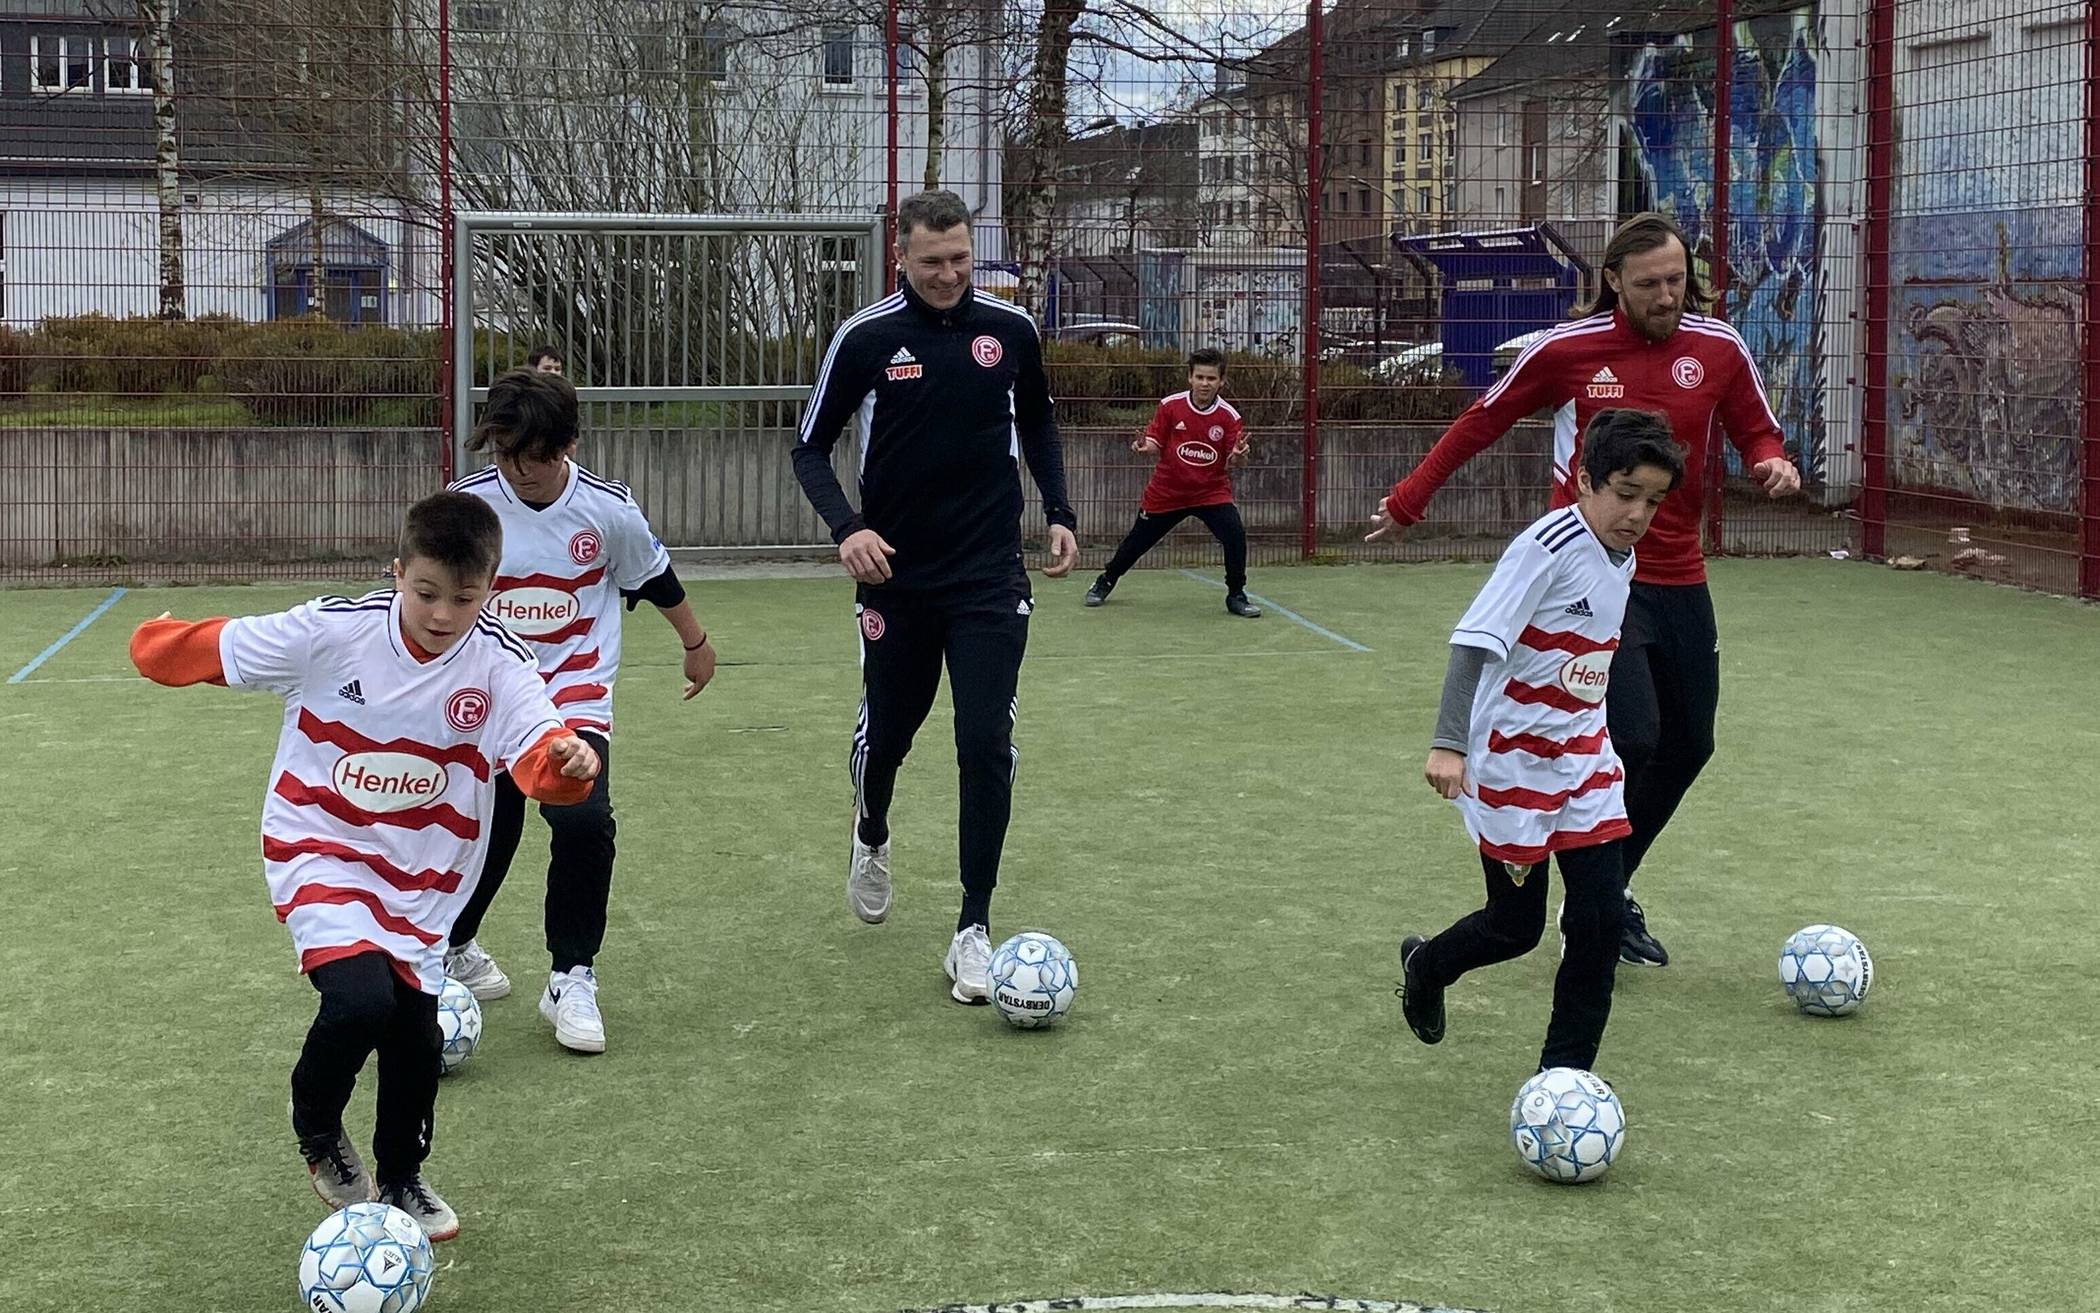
(1180, 426)
(1604, 375)
(352, 691)
(903, 357)
(1582, 609)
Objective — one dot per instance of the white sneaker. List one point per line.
(868, 879)
(471, 966)
(969, 965)
(571, 1003)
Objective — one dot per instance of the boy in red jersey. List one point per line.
(1198, 438)
(401, 707)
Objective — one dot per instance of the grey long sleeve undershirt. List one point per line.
(1454, 715)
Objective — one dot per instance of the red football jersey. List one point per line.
(1195, 454)
(1700, 375)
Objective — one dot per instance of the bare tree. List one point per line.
(157, 17)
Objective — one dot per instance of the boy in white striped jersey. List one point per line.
(1522, 747)
(573, 545)
(400, 708)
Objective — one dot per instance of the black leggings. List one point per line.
(1665, 687)
(579, 866)
(1511, 925)
(1222, 520)
(366, 1007)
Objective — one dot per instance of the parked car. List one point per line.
(1099, 332)
(1425, 363)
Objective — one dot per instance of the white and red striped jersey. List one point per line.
(558, 587)
(373, 829)
(1541, 772)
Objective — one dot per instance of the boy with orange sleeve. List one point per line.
(400, 708)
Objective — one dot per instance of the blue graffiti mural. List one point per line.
(1775, 194)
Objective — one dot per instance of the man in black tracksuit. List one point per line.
(952, 393)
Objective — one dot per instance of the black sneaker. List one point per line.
(415, 1197)
(1098, 594)
(1238, 604)
(1638, 948)
(1421, 1003)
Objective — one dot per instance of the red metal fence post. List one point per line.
(1881, 187)
(889, 202)
(447, 362)
(1309, 523)
(1724, 73)
(2089, 413)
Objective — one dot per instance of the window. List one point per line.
(127, 67)
(1363, 201)
(482, 16)
(61, 63)
(711, 51)
(3, 266)
(1363, 154)
(1428, 42)
(1424, 97)
(838, 56)
(1425, 147)
(1228, 168)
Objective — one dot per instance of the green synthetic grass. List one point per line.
(1226, 823)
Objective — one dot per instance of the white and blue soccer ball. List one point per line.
(1033, 980)
(459, 1024)
(367, 1258)
(1826, 970)
(1567, 1125)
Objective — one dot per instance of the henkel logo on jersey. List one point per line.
(1587, 675)
(986, 351)
(1688, 372)
(583, 548)
(388, 781)
(1197, 453)
(531, 612)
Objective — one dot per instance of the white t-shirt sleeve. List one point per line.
(519, 712)
(1510, 599)
(638, 555)
(269, 651)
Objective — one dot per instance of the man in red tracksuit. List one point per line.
(1643, 345)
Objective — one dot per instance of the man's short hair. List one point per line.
(1208, 355)
(455, 530)
(1621, 441)
(934, 211)
(544, 351)
(529, 416)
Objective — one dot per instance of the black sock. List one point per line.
(976, 910)
(874, 831)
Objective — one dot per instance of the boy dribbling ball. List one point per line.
(401, 707)
(1521, 744)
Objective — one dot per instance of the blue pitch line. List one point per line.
(71, 634)
(1284, 611)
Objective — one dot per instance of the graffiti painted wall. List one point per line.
(1985, 263)
(1775, 197)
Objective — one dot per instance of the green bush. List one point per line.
(1102, 386)
(316, 372)
(17, 357)
(136, 357)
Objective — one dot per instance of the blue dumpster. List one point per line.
(1496, 286)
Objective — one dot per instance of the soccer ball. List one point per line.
(1826, 971)
(367, 1258)
(459, 1022)
(1567, 1125)
(1033, 980)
